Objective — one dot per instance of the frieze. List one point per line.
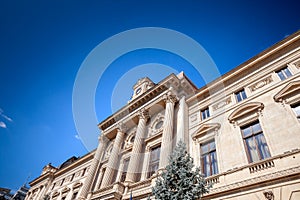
(222, 103)
(261, 83)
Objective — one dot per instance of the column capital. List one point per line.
(103, 139)
(143, 114)
(121, 127)
(170, 97)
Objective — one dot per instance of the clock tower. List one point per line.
(142, 85)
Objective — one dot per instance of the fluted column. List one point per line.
(89, 179)
(113, 160)
(136, 154)
(182, 121)
(167, 137)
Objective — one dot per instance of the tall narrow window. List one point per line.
(154, 161)
(125, 168)
(296, 109)
(205, 113)
(255, 142)
(284, 73)
(240, 95)
(209, 158)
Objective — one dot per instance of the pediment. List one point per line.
(290, 89)
(246, 109)
(204, 128)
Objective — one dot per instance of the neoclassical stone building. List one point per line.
(242, 129)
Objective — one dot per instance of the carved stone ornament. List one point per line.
(269, 195)
(170, 97)
(122, 127)
(221, 104)
(261, 83)
(143, 114)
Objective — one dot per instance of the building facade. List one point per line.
(242, 130)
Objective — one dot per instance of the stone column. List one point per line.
(136, 154)
(146, 164)
(89, 179)
(167, 137)
(182, 122)
(113, 160)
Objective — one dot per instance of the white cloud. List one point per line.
(5, 116)
(2, 125)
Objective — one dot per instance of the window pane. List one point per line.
(238, 97)
(296, 109)
(214, 163)
(256, 128)
(206, 166)
(251, 148)
(204, 148)
(287, 72)
(246, 131)
(281, 76)
(243, 93)
(262, 146)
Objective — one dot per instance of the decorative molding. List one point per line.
(256, 180)
(204, 128)
(245, 109)
(269, 195)
(143, 114)
(128, 142)
(152, 129)
(262, 83)
(222, 103)
(122, 127)
(170, 97)
(292, 88)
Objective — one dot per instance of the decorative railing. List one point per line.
(261, 166)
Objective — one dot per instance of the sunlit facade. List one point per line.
(242, 130)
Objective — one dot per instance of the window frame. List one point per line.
(284, 73)
(205, 113)
(210, 151)
(124, 171)
(153, 163)
(294, 106)
(240, 94)
(253, 135)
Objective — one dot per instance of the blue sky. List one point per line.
(44, 43)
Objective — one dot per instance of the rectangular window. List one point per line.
(296, 109)
(255, 142)
(125, 168)
(209, 158)
(284, 73)
(240, 95)
(154, 161)
(205, 113)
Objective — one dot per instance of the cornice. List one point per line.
(282, 47)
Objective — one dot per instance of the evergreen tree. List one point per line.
(179, 181)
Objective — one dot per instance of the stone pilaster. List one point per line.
(134, 167)
(89, 179)
(167, 137)
(112, 165)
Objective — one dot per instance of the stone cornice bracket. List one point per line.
(122, 127)
(170, 97)
(143, 114)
